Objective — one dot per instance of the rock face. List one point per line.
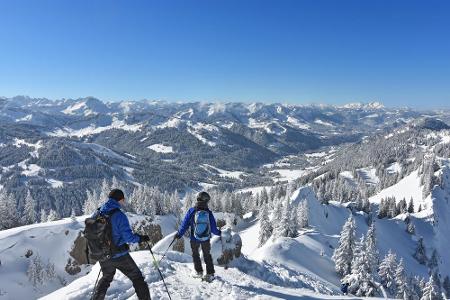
(226, 249)
(72, 267)
(78, 252)
(152, 230)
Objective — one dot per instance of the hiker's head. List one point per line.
(117, 195)
(203, 197)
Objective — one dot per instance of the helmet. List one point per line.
(203, 197)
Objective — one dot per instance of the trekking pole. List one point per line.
(95, 285)
(159, 271)
(166, 251)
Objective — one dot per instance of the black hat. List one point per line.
(116, 194)
(203, 197)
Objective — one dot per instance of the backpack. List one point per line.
(202, 227)
(98, 232)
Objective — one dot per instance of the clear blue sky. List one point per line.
(397, 52)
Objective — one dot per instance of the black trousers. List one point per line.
(128, 267)
(206, 249)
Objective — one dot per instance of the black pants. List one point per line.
(206, 249)
(128, 267)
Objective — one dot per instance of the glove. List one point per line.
(144, 238)
(177, 237)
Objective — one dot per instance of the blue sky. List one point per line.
(396, 52)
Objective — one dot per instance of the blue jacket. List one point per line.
(121, 230)
(188, 221)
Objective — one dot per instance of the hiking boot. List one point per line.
(197, 274)
(208, 277)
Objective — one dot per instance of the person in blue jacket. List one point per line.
(189, 221)
(121, 259)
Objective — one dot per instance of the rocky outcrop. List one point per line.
(79, 250)
(227, 248)
(152, 230)
(72, 267)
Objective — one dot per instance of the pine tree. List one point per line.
(446, 286)
(372, 254)
(264, 197)
(401, 281)
(73, 216)
(343, 254)
(433, 262)
(431, 291)
(52, 216)
(104, 191)
(387, 272)
(8, 211)
(49, 273)
(303, 214)
(29, 216)
(411, 206)
(420, 254)
(35, 270)
(361, 281)
(91, 203)
(265, 229)
(293, 224)
(410, 228)
(383, 209)
(282, 228)
(43, 216)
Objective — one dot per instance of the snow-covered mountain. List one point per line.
(302, 169)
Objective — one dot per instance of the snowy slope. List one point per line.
(52, 241)
(232, 283)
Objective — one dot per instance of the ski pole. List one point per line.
(166, 251)
(159, 271)
(95, 285)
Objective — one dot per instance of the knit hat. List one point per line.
(116, 194)
(203, 197)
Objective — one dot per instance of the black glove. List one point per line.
(144, 238)
(177, 237)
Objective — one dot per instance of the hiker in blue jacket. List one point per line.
(202, 223)
(121, 259)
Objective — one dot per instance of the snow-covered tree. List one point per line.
(387, 271)
(431, 291)
(265, 226)
(104, 191)
(91, 203)
(8, 211)
(401, 281)
(411, 206)
(343, 254)
(420, 255)
(446, 286)
(410, 228)
(264, 197)
(43, 216)
(49, 272)
(371, 249)
(73, 215)
(361, 281)
(52, 216)
(35, 270)
(433, 262)
(303, 214)
(29, 214)
(286, 227)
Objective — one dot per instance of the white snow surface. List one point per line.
(92, 129)
(224, 173)
(161, 148)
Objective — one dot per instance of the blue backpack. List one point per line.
(202, 228)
